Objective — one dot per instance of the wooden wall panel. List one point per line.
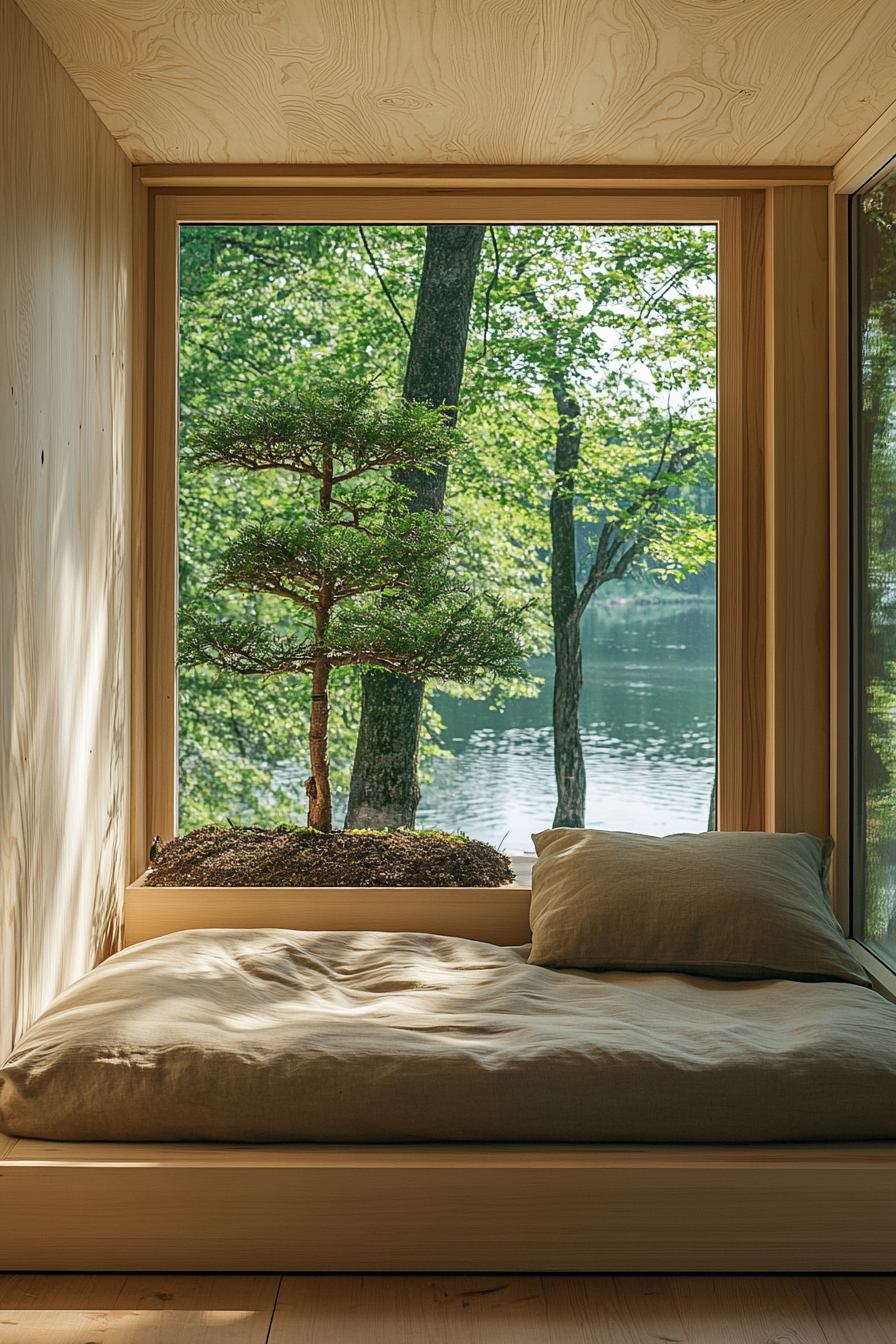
(797, 511)
(841, 595)
(139, 829)
(65, 215)
(742, 641)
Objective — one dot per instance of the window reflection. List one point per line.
(874, 242)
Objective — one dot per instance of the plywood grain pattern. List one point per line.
(480, 81)
(797, 511)
(65, 216)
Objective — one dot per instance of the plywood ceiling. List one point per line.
(479, 81)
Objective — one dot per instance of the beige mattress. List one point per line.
(271, 1035)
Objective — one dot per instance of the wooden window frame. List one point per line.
(774, 711)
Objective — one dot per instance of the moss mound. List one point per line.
(293, 856)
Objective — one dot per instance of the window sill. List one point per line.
(882, 977)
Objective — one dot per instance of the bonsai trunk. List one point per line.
(569, 761)
(320, 805)
(384, 789)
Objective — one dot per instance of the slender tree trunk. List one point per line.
(320, 807)
(384, 789)
(320, 804)
(569, 761)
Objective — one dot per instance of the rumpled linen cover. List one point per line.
(269, 1035)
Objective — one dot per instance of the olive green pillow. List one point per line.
(735, 905)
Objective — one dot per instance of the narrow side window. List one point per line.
(873, 246)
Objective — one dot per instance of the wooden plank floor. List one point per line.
(445, 1309)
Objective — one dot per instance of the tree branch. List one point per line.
(606, 565)
(383, 284)
(273, 587)
(240, 359)
(488, 292)
(654, 298)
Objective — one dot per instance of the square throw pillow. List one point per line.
(734, 905)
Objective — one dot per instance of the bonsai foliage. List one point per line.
(368, 581)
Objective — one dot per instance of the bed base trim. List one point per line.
(458, 1208)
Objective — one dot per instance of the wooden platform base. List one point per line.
(453, 1208)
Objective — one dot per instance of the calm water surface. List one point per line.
(648, 728)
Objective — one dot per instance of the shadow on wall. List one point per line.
(64, 535)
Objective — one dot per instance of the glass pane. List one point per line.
(874, 241)
(598, 342)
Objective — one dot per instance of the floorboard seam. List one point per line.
(267, 1338)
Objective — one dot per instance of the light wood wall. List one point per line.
(65, 256)
(797, 511)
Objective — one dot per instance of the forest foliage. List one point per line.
(624, 315)
(876, 229)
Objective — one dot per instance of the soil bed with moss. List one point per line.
(291, 856)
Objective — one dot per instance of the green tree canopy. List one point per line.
(626, 313)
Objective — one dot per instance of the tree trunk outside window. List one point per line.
(569, 760)
(385, 790)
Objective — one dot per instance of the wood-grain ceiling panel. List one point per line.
(479, 81)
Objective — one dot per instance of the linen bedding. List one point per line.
(268, 1035)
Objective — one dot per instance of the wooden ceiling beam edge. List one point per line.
(868, 155)
(541, 177)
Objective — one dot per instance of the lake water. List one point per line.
(647, 716)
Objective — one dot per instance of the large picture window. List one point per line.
(671, 712)
(583, 491)
(874, 435)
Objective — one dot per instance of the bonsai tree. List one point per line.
(368, 581)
